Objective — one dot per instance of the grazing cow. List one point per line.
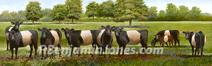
(50, 38)
(7, 30)
(130, 37)
(166, 36)
(22, 38)
(100, 38)
(196, 40)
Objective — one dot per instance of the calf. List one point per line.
(166, 36)
(50, 38)
(21, 39)
(196, 40)
(7, 30)
(130, 37)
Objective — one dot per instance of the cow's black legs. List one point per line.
(60, 50)
(36, 48)
(11, 49)
(195, 52)
(198, 51)
(123, 49)
(94, 49)
(31, 49)
(178, 41)
(119, 50)
(16, 52)
(72, 49)
(47, 50)
(201, 51)
(166, 44)
(42, 51)
(79, 51)
(7, 44)
(192, 50)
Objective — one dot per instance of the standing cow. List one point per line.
(50, 38)
(100, 38)
(130, 37)
(166, 36)
(22, 39)
(7, 30)
(196, 40)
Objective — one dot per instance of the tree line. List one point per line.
(119, 11)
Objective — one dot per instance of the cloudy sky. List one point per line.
(15, 5)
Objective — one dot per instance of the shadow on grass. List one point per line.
(181, 46)
(65, 23)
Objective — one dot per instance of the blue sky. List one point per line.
(15, 5)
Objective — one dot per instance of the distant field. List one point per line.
(153, 28)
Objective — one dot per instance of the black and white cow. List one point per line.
(49, 39)
(166, 36)
(21, 39)
(197, 41)
(130, 37)
(100, 38)
(7, 30)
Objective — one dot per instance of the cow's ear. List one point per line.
(113, 28)
(184, 32)
(39, 29)
(12, 22)
(103, 26)
(72, 29)
(63, 29)
(191, 32)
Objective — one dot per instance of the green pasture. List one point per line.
(151, 26)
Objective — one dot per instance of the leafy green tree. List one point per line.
(74, 9)
(195, 13)
(47, 15)
(130, 10)
(92, 9)
(106, 9)
(171, 12)
(152, 13)
(161, 15)
(59, 12)
(33, 11)
(183, 12)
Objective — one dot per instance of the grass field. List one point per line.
(181, 57)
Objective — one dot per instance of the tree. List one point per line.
(33, 11)
(183, 12)
(106, 9)
(130, 9)
(47, 15)
(161, 15)
(152, 13)
(195, 13)
(92, 9)
(171, 11)
(59, 12)
(74, 9)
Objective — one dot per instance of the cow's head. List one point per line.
(12, 36)
(117, 29)
(108, 29)
(66, 32)
(156, 38)
(188, 34)
(45, 32)
(17, 25)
